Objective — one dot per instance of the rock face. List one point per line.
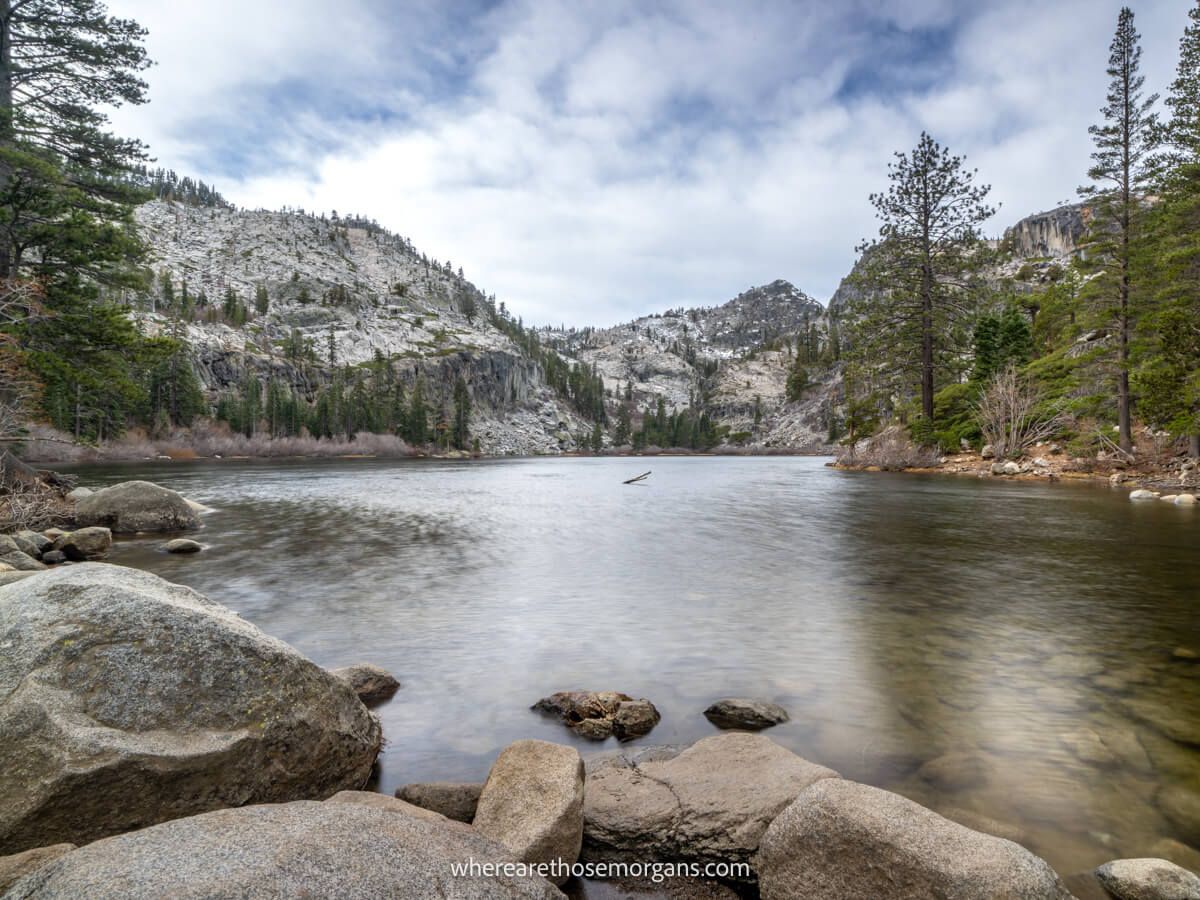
(371, 683)
(85, 543)
(710, 802)
(453, 799)
(751, 715)
(126, 700)
(133, 506)
(532, 803)
(15, 867)
(1148, 879)
(854, 842)
(277, 851)
(1055, 233)
(601, 714)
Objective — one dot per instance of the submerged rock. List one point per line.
(1181, 806)
(601, 714)
(127, 700)
(752, 715)
(955, 771)
(133, 506)
(532, 803)
(1148, 879)
(854, 842)
(711, 802)
(1142, 494)
(300, 849)
(371, 683)
(452, 799)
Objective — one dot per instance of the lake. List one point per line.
(1029, 638)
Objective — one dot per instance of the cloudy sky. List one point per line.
(591, 161)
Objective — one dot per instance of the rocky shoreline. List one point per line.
(156, 744)
(1175, 477)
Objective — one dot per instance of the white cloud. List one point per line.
(588, 162)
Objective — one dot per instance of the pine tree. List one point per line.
(1167, 377)
(797, 380)
(462, 414)
(914, 277)
(418, 412)
(262, 302)
(62, 63)
(1181, 134)
(1122, 170)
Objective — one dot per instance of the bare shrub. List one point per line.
(1013, 415)
(29, 503)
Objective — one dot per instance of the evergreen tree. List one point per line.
(460, 428)
(418, 413)
(797, 380)
(262, 302)
(915, 276)
(1167, 377)
(1122, 169)
(62, 63)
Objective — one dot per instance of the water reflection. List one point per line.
(1000, 652)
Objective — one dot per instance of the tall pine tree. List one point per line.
(915, 277)
(1121, 172)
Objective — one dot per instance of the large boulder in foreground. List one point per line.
(126, 700)
(1148, 879)
(133, 506)
(711, 802)
(301, 849)
(532, 803)
(854, 842)
(15, 867)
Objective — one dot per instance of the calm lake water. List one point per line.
(1027, 630)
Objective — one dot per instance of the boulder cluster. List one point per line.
(131, 507)
(158, 745)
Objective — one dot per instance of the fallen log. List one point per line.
(636, 479)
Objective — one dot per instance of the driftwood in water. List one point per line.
(641, 477)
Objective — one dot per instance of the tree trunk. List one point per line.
(1194, 446)
(927, 347)
(6, 121)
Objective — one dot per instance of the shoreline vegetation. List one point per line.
(1154, 466)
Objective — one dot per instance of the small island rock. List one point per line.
(371, 683)
(134, 506)
(750, 715)
(183, 545)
